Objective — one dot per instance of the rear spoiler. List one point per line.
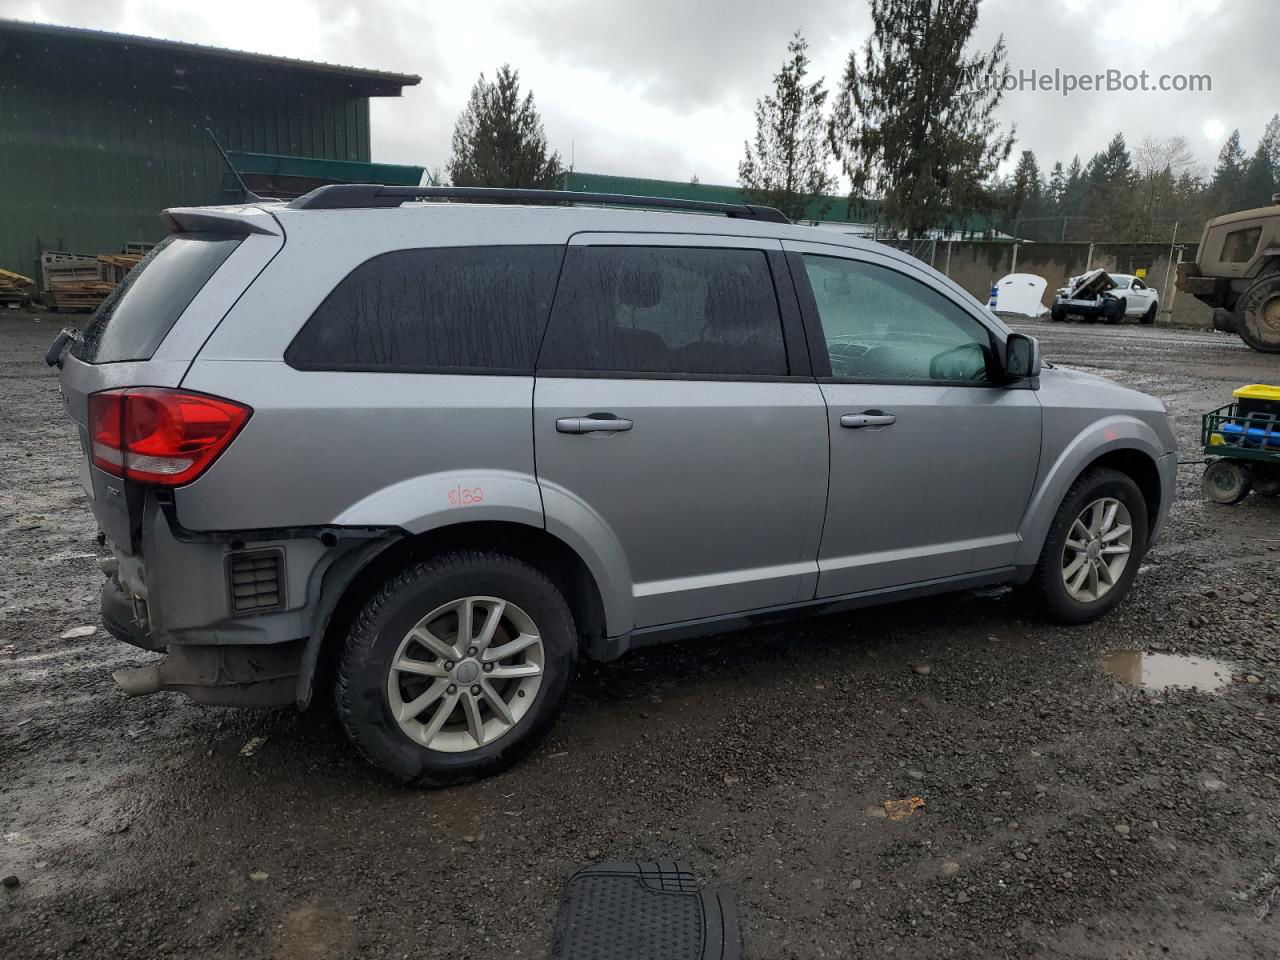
(237, 221)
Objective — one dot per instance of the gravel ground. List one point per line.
(1065, 814)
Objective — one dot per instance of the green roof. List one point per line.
(838, 209)
(861, 210)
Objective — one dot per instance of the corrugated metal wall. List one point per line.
(96, 140)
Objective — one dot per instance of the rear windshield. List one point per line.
(132, 321)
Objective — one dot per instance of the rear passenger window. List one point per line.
(666, 310)
(479, 309)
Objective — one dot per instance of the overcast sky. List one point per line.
(659, 88)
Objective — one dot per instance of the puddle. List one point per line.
(1163, 671)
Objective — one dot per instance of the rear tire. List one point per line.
(420, 642)
(1099, 591)
(1149, 318)
(1226, 482)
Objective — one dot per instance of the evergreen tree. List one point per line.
(1076, 187)
(1271, 144)
(914, 120)
(498, 139)
(788, 166)
(1258, 183)
(1025, 191)
(1228, 176)
(1056, 190)
(1109, 201)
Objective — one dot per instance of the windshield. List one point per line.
(130, 323)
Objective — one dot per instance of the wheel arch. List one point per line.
(347, 590)
(1123, 444)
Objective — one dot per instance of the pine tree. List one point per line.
(1271, 144)
(1075, 189)
(914, 120)
(1228, 176)
(1025, 190)
(1056, 190)
(789, 165)
(498, 140)
(1258, 182)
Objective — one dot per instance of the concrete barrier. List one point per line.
(977, 264)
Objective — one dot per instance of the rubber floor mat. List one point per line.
(643, 911)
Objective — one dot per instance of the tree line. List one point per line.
(911, 124)
(1143, 193)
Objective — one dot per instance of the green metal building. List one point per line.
(101, 131)
(849, 214)
(823, 210)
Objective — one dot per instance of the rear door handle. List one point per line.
(596, 423)
(872, 418)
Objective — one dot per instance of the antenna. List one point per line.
(249, 195)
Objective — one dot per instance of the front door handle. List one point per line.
(871, 418)
(596, 423)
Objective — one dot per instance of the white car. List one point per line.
(1091, 296)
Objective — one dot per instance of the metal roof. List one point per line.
(373, 83)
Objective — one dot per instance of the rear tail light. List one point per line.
(159, 436)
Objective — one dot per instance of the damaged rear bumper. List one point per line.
(223, 676)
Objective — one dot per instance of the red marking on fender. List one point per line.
(1110, 434)
(466, 496)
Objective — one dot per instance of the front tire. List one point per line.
(1113, 311)
(1094, 546)
(1149, 318)
(1258, 315)
(455, 668)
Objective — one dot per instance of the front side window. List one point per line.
(666, 310)
(880, 324)
(1239, 245)
(434, 309)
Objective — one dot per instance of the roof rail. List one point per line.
(349, 196)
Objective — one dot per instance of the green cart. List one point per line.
(1243, 440)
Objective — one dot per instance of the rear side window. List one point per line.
(140, 312)
(666, 310)
(478, 309)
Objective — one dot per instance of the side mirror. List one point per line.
(1021, 357)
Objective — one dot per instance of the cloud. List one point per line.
(667, 89)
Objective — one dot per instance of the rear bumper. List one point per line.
(182, 593)
(222, 676)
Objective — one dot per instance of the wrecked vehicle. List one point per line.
(1237, 272)
(428, 456)
(1109, 297)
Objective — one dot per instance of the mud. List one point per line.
(1065, 814)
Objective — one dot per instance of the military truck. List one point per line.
(1237, 272)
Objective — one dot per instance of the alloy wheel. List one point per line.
(465, 674)
(1097, 550)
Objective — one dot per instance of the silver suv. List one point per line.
(425, 455)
